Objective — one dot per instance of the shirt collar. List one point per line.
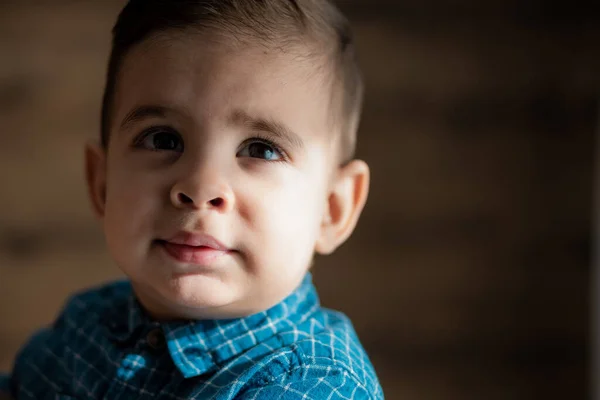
(122, 326)
(197, 347)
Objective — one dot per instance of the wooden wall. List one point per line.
(468, 276)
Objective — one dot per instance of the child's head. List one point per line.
(228, 131)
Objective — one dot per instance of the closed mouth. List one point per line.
(199, 255)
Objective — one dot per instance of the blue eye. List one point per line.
(160, 140)
(261, 149)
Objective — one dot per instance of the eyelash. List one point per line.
(137, 143)
(257, 137)
(269, 142)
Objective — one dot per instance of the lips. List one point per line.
(199, 249)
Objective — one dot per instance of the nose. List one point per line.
(201, 188)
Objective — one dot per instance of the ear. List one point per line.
(95, 174)
(346, 201)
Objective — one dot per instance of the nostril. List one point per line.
(216, 202)
(184, 199)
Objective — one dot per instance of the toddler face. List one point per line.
(216, 176)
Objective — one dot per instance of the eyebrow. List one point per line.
(142, 112)
(270, 126)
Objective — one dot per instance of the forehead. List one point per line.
(208, 80)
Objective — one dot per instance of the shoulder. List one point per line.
(87, 313)
(49, 358)
(334, 346)
(311, 382)
(82, 315)
(320, 358)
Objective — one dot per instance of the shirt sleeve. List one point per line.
(324, 383)
(28, 365)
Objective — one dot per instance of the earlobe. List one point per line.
(95, 174)
(346, 201)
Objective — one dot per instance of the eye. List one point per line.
(160, 139)
(261, 148)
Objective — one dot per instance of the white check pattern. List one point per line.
(103, 346)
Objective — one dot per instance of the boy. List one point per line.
(225, 162)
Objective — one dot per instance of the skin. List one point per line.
(197, 166)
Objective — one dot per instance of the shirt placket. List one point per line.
(140, 373)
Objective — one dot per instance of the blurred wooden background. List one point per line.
(468, 276)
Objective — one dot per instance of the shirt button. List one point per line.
(156, 339)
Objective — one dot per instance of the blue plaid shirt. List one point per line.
(104, 346)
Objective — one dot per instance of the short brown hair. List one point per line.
(273, 22)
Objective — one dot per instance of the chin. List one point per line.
(197, 293)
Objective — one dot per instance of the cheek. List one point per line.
(131, 200)
(288, 212)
